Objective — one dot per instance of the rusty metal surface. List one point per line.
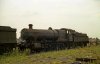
(7, 34)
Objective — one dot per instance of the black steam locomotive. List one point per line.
(57, 39)
(41, 39)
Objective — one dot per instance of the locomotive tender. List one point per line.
(43, 39)
(7, 39)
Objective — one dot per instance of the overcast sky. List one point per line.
(80, 15)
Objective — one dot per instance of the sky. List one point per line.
(80, 15)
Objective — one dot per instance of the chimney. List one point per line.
(30, 26)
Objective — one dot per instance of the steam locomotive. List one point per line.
(51, 39)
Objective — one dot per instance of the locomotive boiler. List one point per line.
(51, 39)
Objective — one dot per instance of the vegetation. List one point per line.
(52, 57)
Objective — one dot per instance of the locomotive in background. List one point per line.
(7, 39)
(57, 39)
(94, 41)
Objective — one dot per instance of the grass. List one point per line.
(52, 57)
